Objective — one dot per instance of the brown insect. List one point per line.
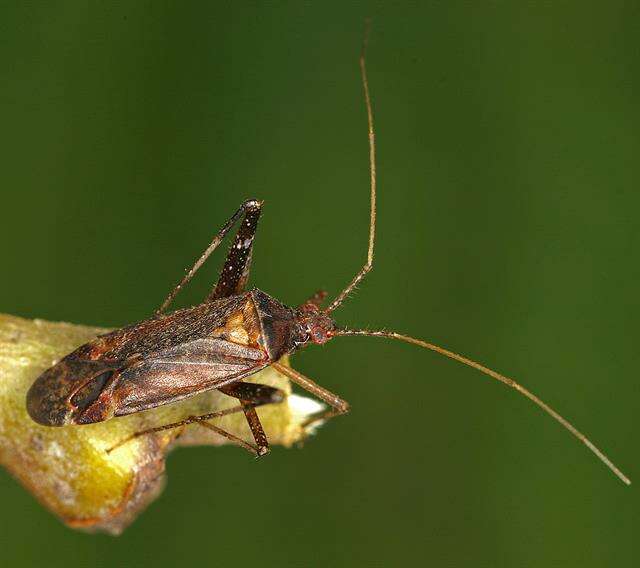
(219, 343)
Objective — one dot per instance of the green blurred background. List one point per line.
(509, 136)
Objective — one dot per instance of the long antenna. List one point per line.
(393, 335)
(493, 374)
(372, 168)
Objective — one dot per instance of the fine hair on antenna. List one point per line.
(366, 268)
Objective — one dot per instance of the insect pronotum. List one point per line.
(217, 344)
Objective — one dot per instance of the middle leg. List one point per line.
(251, 395)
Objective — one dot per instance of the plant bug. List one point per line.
(217, 344)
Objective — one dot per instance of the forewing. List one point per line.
(182, 371)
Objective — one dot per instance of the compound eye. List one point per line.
(87, 394)
(319, 336)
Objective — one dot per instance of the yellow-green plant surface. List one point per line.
(68, 469)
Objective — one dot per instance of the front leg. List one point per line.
(338, 405)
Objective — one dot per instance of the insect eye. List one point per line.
(90, 391)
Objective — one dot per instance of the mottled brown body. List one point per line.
(214, 345)
(164, 359)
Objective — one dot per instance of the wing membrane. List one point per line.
(184, 370)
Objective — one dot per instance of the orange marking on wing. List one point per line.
(242, 327)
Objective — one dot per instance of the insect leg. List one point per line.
(250, 396)
(231, 437)
(338, 405)
(230, 281)
(235, 272)
(189, 420)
